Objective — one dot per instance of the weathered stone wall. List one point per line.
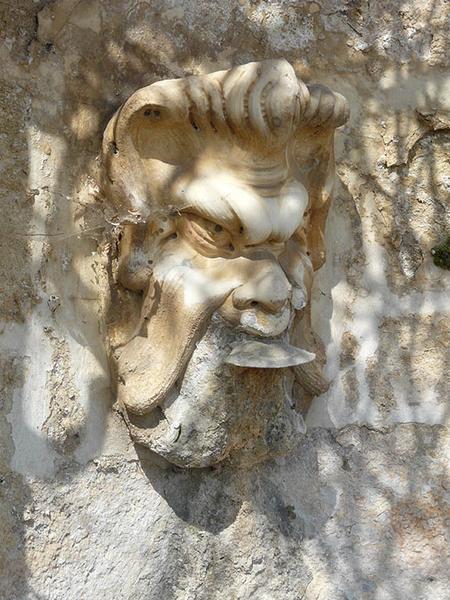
(358, 512)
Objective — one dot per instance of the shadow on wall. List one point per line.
(86, 65)
(192, 492)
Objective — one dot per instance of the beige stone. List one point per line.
(221, 184)
(357, 510)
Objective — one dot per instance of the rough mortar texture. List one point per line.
(358, 511)
(352, 514)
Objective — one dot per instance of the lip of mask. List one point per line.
(268, 355)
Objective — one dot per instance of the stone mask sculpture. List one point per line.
(221, 184)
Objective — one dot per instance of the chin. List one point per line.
(219, 411)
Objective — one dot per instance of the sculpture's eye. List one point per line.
(213, 230)
(209, 237)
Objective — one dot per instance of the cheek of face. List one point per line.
(199, 279)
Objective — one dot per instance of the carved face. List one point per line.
(220, 275)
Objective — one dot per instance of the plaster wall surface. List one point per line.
(359, 511)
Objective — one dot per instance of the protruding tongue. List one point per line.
(268, 355)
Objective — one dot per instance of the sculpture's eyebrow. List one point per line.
(206, 210)
(227, 203)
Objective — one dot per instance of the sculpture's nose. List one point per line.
(268, 290)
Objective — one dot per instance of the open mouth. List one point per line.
(268, 355)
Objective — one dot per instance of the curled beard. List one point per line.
(215, 410)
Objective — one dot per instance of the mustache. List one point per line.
(150, 364)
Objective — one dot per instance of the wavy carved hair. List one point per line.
(258, 119)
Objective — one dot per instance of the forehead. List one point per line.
(220, 196)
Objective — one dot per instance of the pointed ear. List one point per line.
(151, 124)
(123, 183)
(312, 160)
